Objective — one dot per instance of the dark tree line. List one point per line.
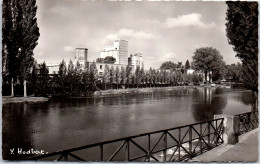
(72, 80)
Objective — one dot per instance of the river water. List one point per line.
(72, 122)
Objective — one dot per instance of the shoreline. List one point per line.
(135, 91)
(100, 94)
(9, 99)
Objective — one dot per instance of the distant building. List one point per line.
(190, 71)
(119, 51)
(53, 68)
(101, 67)
(81, 57)
(136, 60)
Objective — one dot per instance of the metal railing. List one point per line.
(175, 144)
(247, 121)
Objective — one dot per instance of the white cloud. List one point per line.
(68, 48)
(59, 10)
(193, 19)
(130, 33)
(170, 56)
(152, 21)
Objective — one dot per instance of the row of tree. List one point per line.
(73, 80)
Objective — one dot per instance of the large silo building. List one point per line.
(119, 51)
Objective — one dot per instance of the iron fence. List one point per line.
(175, 144)
(247, 121)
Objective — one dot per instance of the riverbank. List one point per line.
(130, 91)
(9, 99)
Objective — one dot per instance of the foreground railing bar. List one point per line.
(157, 142)
(101, 152)
(200, 137)
(179, 144)
(165, 145)
(149, 145)
(141, 148)
(190, 140)
(59, 157)
(76, 157)
(118, 149)
(173, 154)
(112, 141)
(138, 157)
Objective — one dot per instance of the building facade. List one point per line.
(81, 56)
(119, 51)
(136, 60)
(53, 68)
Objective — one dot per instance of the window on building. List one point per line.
(100, 73)
(101, 67)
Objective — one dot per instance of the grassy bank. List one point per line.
(135, 90)
(8, 99)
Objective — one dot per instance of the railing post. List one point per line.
(101, 153)
(190, 142)
(200, 138)
(149, 147)
(127, 150)
(179, 145)
(231, 128)
(65, 157)
(209, 134)
(165, 147)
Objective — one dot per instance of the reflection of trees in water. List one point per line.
(248, 98)
(16, 130)
(212, 104)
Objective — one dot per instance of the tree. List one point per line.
(168, 65)
(118, 77)
(70, 75)
(148, 77)
(106, 76)
(85, 79)
(142, 75)
(112, 76)
(62, 74)
(242, 33)
(123, 75)
(207, 59)
(93, 75)
(234, 72)
(138, 76)
(109, 59)
(20, 33)
(44, 77)
(187, 65)
(128, 74)
(77, 76)
(100, 60)
(34, 75)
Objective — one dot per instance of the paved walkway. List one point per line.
(244, 151)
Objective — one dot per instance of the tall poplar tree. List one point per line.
(106, 76)
(242, 33)
(20, 35)
(123, 75)
(118, 77)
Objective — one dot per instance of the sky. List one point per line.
(161, 31)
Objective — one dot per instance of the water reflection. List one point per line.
(211, 104)
(66, 123)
